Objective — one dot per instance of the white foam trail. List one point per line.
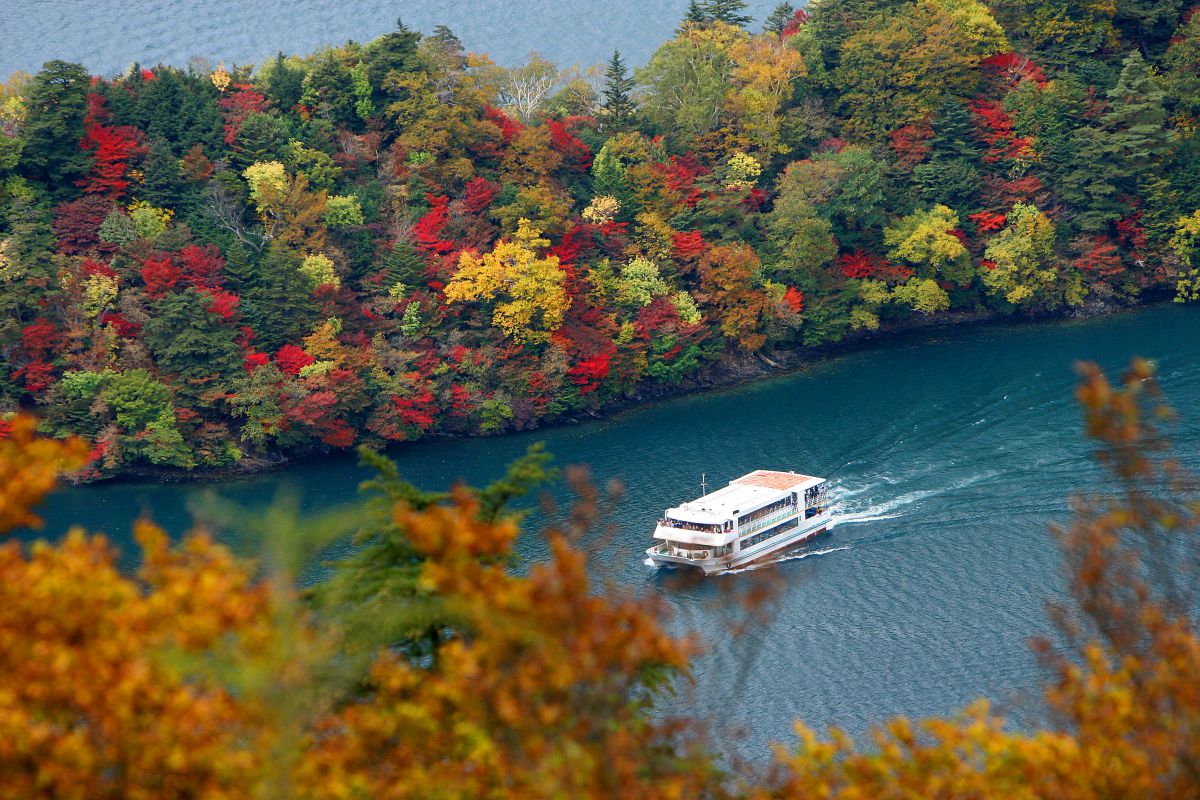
(827, 550)
(780, 560)
(887, 506)
(890, 509)
(649, 562)
(852, 519)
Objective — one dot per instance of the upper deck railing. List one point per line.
(697, 527)
(770, 519)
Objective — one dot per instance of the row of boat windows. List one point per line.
(750, 541)
(704, 552)
(812, 496)
(693, 526)
(778, 505)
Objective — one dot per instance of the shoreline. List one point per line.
(731, 371)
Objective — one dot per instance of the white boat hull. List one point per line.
(763, 551)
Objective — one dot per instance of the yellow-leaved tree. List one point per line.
(527, 287)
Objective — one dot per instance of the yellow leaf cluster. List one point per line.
(98, 292)
(532, 298)
(267, 181)
(149, 220)
(220, 78)
(318, 268)
(532, 703)
(602, 209)
(925, 238)
(763, 70)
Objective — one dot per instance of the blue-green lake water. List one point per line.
(107, 38)
(950, 452)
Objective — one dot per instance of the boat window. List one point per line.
(758, 538)
(690, 526)
(779, 505)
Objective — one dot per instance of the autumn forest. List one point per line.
(217, 267)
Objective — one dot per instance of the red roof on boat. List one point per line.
(769, 479)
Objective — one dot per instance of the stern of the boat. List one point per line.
(663, 555)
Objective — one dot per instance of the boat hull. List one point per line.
(765, 551)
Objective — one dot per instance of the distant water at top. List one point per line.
(106, 37)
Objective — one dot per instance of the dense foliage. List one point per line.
(378, 241)
(425, 668)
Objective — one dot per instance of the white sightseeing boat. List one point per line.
(756, 517)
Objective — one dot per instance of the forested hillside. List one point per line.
(215, 265)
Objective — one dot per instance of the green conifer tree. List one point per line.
(619, 107)
(694, 15)
(1119, 154)
(779, 18)
(57, 103)
(951, 176)
(277, 301)
(262, 137)
(192, 342)
(404, 265)
(608, 179)
(727, 11)
(284, 82)
(162, 185)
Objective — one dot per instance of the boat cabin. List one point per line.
(758, 503)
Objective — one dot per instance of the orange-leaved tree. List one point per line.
(204, 676)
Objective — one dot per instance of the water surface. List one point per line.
(107, 37)
(950, 453)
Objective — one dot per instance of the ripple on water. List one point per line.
(924, 593)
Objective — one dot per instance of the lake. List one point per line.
(107, 38)
(950, 453)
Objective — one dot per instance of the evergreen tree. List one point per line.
(951, 176)
(448, 54)
(262, 137)
(57, 103)
(779, 18)
(954, 134)
(190, 341)
(284, 82)
(694, 15)
(162, 185)
(175, 107)
(1119, 154)
(28, 263)
(330, 89)
(389, 55)
(1147, 23)
(608, 179)
(277, 301)
(404, 265)
(1136, 121)
(618, 106)
(727, 11)
(1184, 171)
(446, 38)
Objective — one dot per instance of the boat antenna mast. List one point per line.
(703, 485)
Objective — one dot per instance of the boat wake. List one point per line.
(853, 519)
(781, 559)
(845, 513)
